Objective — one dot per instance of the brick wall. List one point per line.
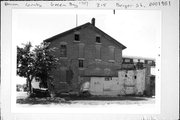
(88, 44)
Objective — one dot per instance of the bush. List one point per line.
(36, 100)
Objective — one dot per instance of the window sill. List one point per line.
(81, 68)
(62, 82)
(112, 61)
(98, 60)
(76, 41)
(81, 59)
(63, 58)
(98, 43)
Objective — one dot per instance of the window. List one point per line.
(81, 50)
(111, 53)
(108, 78)
(81, 63)
(98, 52)
(142, 61)
(98, 39)
(76, 37)
(127, 60)
(135, 60)
(149, 62)
(146, 61)
(63, 51)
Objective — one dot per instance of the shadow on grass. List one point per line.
(101, 98)
(47, 100)
(69, 99)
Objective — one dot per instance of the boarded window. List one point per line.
(62, 74)
(81, 63)
(63, 51)
(98, 52)
(81, 50)
(111, 52)
(69, 76)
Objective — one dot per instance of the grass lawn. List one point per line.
(92, 100)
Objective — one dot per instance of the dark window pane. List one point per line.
(108, 78)
(76, 37)
(98, 39)
(81, 63)
(131, 60)
(146, 62)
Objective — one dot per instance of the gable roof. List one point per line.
(84, 26)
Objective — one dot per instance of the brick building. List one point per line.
(84, 52)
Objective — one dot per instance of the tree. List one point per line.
(35, 63)
(45, 62)
(25, 63)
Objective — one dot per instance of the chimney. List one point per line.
(93, 21)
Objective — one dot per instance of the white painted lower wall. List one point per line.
(125, 84)
(103, 86)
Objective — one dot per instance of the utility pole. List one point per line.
(76, 20)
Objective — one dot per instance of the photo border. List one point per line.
(166, 27)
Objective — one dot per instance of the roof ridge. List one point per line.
(67, 31)
(83, 25)
(110, 37)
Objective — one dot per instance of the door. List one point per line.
(96, 86)
(107, 86)
(62, 80)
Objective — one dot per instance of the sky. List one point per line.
(138, 30)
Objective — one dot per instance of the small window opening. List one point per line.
(125, 75)
(76, 37)
(81, 64)
(63, 51)
(135, 77)
(108, 78)
(98, 39)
